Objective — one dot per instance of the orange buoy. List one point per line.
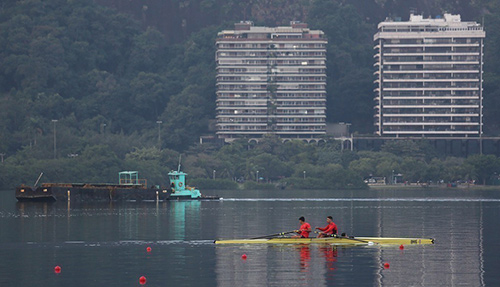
(401, 247)
(57, 269)
(244, 256)
(387, 265)
(142, 280)
(148, 249)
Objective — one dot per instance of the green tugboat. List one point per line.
(178, 187)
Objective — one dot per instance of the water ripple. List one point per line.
(79, 243)
(370, 199)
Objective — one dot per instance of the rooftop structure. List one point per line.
(429, 77)
(271, 81)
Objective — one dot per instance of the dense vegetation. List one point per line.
(96, 82)
(268, 164)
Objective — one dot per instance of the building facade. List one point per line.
(429, 77)
(271, 81)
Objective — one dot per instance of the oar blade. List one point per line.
(273, 235)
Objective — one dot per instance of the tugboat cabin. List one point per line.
(177, 180)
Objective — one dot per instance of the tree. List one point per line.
(413, 169)
(350, 57)
(417, 149)
(149, 95)
(482, 167)
(269, 166)
(185, 117)
(364, 167)
(233, 159)
(145, 55)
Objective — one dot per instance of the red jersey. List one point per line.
(331, 228)
(305, 229)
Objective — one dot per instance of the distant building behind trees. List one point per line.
(271, 81)
(429, 77)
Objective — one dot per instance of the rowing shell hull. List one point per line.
(332, 240)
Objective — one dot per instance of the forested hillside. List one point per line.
(100, 74)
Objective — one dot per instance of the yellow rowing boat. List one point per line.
(331, 240)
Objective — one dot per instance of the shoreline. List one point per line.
(440, 187)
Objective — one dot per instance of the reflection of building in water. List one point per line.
(290, 265)
(460, 236)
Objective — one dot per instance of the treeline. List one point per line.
(99, 74)
(177, 19)
(106, 77)
(267, 164)
(86, 91)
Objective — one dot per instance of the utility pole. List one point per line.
(55, 146)
(159, 134)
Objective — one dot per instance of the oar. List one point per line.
(351, 237)
(273, 235)
(359, 240)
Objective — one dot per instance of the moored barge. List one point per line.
(129, 188)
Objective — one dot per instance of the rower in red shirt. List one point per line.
(329, 230)
(305, 229)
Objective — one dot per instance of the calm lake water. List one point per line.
(101, 244)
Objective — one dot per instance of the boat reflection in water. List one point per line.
(460, 226)
(330, 254)
(290, 265)
(305, 256)
(180, 214)
(108, 221)
(327, 253)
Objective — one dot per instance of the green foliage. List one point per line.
(413, 169)
(491, 84)
(364, 167)
(86, 65)
(108, 78)
(241, 162)
(205, 183)
(418, 149)
(251, 185)
(78, 62)
(299, 183)
(482, 167)
(269, 166)
(349, 54)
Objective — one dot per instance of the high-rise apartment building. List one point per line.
(271, 80)
(429, 77)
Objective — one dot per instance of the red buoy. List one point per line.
(57, 269)
(244, 256)
(386, 265)
(142, 280)
(148, 249)
(401, 247)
